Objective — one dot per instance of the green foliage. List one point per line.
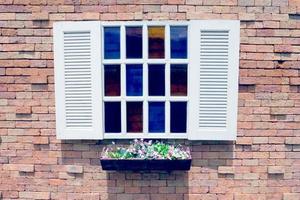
(140, 149)
(162, 149)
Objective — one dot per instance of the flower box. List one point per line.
(142, 165)
(143, 155)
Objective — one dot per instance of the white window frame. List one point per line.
(95, 78)
(145, 61)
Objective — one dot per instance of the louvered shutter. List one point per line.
(213, 82)
(77, 63)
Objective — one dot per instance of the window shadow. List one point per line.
(207, 158)
(146, 185)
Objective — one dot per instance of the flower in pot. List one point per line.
(146, 155)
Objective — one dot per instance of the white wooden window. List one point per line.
(158, 79)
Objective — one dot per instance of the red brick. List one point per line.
(292, 140)
(40, 16)
(291, 196)
(283, 48)
(19, 167)
(7, 16)
(276, 170)
(225, 170)
(23, 110)
(75, 169)
(34, 195)
(40, 140)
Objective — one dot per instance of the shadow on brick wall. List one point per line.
(147, 185)
(211, 160)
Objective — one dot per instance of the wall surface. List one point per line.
(264, 163)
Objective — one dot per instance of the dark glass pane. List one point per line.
(134, 42)
(156, 117)
(156, 42)
(178, 41)
(134, 80)
(112, 80)
(178, 117)
(179, 80)
(134, 117)
(112, 42)
(112, 117)
(156, 80)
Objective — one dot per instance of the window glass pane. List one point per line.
(111, 42)
(178, 41)
(134, 80)
(178, 117)
(112, 117)
(156, 42)
(134, 116)
(134, 42)
(156, 80)
(178, 79)
(156, 117)
(112, 80)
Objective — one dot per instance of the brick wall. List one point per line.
(264, 163)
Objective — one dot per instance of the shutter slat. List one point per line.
(80, 41)
(207, 78)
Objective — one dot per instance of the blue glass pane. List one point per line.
(134, 80)
(156, 80)
(134, 113)
(112, 117)
(112, 42)
(156, 117)
(112, 80)
(178, 41)
(134, 42)
(178, 79)
(178, 117)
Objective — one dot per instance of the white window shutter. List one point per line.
(77, 63)
(213, 79)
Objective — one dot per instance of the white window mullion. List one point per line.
(123, 79)
(167, 98)
(145, 42)
(145, 98)
(167, 80)
(167, 117)
(167, 42)
(122, 99)
(145, 117)
(123, 118)
(145, 80)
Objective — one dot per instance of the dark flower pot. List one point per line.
(142, 165)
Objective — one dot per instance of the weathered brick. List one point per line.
(19, 167)
(40, 16)
(263, 2)
(34, 195)
(283, 48)
(40, 140)
(76, 169)
(279, 2)
(246, 2)
(7, 16)
(292, 140)
(23, 110)
(225, 170)
(276, 169)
